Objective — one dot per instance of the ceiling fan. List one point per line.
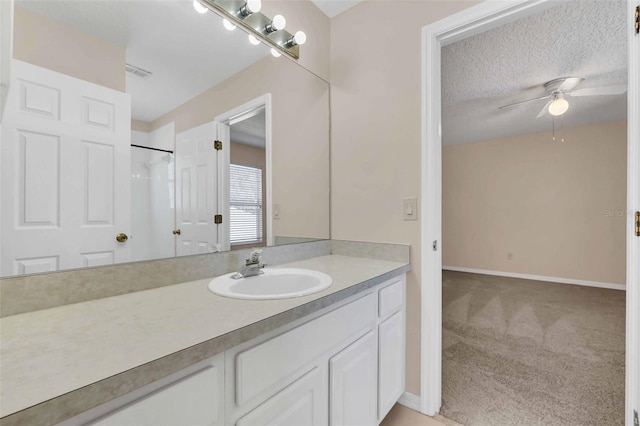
(558, 89)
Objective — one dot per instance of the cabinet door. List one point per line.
(304, 402)
(353, 383)
(390, 363)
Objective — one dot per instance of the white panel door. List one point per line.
(65, 173)
(390, 363)
(302, 403)
(196, 190)
(353, 383)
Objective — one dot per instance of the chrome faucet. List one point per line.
(252, 266)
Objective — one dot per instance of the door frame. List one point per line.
(224, 121)
(471, 21)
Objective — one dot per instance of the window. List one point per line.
(245, 204)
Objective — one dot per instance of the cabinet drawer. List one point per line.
(390, 299)
(263, 366)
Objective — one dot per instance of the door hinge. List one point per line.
(435, 245)
(217, 219)
(217, 145)
(637, 24)
(637, 224)
(635, 418)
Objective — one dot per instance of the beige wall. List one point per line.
(553, 205)
(300, 134)
(141, 126)
(375, 146)
(58, 47)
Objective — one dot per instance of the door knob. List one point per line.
(176, 232)
(121, 238)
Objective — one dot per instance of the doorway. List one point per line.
(469, 22)
(245, 177)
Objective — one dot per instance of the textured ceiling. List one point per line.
(332, 8)
(187, 52)
(511, 63)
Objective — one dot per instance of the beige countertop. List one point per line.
(59, 351)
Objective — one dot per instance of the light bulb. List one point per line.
(254, 6)
(278, 22)
(199, 7)
(253, 40)
(228, 25)
(275, 53)
(558, 107)
(300, 37)
(251, 6)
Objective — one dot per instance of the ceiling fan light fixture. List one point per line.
(558, 106)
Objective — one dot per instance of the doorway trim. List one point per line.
(471, 21)
(224, 121)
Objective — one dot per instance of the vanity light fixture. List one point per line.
(199, 7)
(228, 25)
(261, 28)
(275, 53)
(251, 6)
(277, 23)
(298, 39)
(558, 106)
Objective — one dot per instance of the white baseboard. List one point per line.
(410, 400)
(537, 278)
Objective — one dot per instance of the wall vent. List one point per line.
(137, 71)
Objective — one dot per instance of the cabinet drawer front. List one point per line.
(390, 299)
(263, 366)
(196, 399)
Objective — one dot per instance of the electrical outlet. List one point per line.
(509, 256)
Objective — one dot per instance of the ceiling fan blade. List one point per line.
(601, 91)
(544, 110)
(523, 102)
(569, 83)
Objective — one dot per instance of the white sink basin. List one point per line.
(283, 283)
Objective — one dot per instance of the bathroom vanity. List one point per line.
(187, 356)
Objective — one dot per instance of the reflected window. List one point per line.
(245, 204)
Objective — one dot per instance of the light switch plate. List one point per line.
(276, 212)
(410, 208)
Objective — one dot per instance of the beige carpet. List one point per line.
(522, 352)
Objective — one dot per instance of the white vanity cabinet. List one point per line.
(343, 366)
(340, 366)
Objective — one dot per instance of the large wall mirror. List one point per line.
(138, 130)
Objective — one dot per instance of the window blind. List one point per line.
(245, 204)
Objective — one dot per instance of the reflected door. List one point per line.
(65, 160)
(196, 190)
